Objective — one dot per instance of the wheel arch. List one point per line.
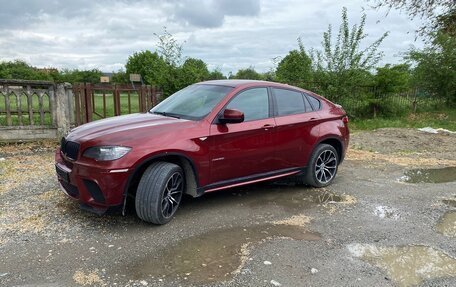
(336, 143)
(186, 163)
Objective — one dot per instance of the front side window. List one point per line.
(289, 102)
(193, 103)
(254, 103)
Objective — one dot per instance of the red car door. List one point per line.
(296, 130)
(243, 149)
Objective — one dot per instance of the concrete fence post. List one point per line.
(64, 108)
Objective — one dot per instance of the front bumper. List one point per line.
(96, 189)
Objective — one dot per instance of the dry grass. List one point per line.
(296, 220)
(379, 159)
(89, 278)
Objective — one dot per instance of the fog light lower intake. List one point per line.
(94, 191)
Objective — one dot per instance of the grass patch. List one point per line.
(445, 119)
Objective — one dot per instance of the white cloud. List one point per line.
(229, 35)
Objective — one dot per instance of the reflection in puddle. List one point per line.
(295, 198)
(438, 175)
(212, 256)
(407, 265)
(447, 224)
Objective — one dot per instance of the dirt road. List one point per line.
(372, 227)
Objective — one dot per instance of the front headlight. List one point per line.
(104, 153)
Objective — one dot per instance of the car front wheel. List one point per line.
(322, 167)
(159, 192)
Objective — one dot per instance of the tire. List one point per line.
(159, 192)
(322, 166)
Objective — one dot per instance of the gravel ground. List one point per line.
(370, 228)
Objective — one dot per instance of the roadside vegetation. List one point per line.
(421, 90)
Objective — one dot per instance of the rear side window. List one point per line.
(307, 104)
(314, 102)
(254, 103)
(289, 102)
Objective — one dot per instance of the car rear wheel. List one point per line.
(159, 192)
(322, 167)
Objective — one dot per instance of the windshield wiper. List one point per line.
(167, 114)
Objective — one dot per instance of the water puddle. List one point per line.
(451, 202)
(213, 256)
(447, 224)
(295, 197)
(407, 265)
(436, 175)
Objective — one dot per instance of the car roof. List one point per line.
(236, 83)
(248, 83)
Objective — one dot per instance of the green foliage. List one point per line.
(392, 79)
(22, 71)
(154, 70)
(295, 68)
(169, 48)
(79, 76)
(431, 11)
(435, 67)
(192, 71)
(338, 67)
(216, 75)
(120, 77)
(247, 74)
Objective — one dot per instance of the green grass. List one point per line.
(124, 106)
(24, 108)
(445, 119)
(98, 108)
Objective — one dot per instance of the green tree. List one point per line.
(152, 67)
(216, 75)
(435, 67)
(247, 74)
(120, 77)
(295, 68)
(192, 71)
(22, 71)
(79, 76)
(342, 65)
(431, 11)
(169, 48)
(392, 79)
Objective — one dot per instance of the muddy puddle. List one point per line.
(290, 197)
(447, 224)
(213, 256)
(451, 202)
(433, 175)
(407, 265)
(293, 197)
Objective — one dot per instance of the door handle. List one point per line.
(268, 126)
(313, 119)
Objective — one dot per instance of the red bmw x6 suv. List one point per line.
(209, 136)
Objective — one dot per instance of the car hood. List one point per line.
(122, 129)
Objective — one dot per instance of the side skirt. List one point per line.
(250, 179)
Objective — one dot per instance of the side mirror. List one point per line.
(231, 116)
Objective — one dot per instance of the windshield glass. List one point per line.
(193, 103)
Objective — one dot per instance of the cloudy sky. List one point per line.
(226, 34)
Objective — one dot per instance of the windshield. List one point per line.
(193, 103)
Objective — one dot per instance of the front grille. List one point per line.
(69, 149)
